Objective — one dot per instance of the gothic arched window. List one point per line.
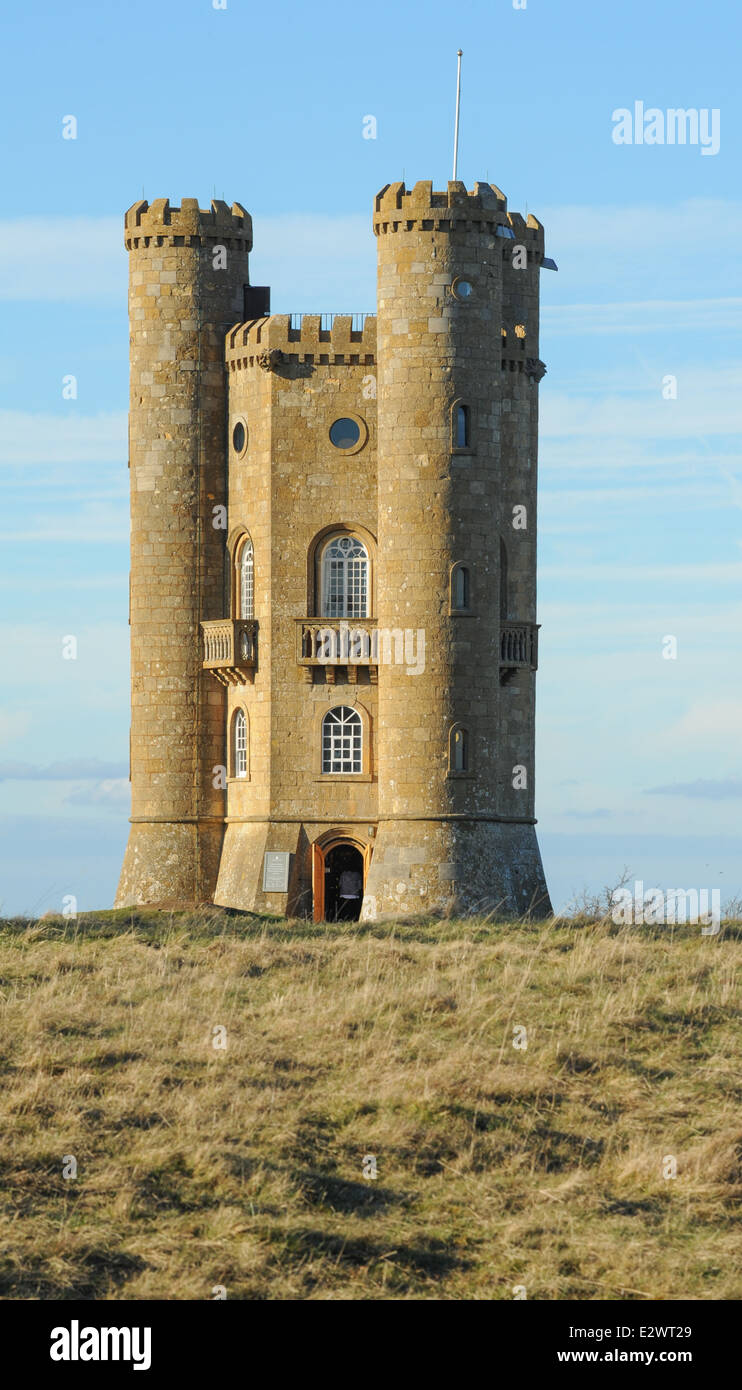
(239, 744)
(344, 578)
(342, 740)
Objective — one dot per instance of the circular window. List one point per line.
(344, 433)
(463, 289)
(239, 437)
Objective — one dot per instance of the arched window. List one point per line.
(458, 749)
(342, 740)
(245, 569)
(503, 581)
(460, 589)
(344, 578)
(461, 426)
(239, 744)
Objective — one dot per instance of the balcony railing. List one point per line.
(353, 642)
(326, 320)
(230, 649)
(519, 645)
(332, 642)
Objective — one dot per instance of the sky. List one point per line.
(638, 765)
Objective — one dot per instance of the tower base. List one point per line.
(170, 864)
(461, 867)
(240, 882)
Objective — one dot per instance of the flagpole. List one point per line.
(458, 104)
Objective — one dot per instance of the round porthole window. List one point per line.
(463, 289)
(345, 432)
(239, 437)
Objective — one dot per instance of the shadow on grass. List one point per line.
(97, 1273)
(428, 1257)
(344, 1195)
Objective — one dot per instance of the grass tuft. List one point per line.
(497, 1164)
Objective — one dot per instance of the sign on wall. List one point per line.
(276, 866)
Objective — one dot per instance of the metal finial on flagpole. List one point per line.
(458, 104)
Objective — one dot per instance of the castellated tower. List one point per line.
(458, 306)
(333, 689)
(187, 268)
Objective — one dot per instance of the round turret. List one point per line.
(188, 269)
(448, 732)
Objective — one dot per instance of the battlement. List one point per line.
(340, 339)
(188, 225)
(397, 207)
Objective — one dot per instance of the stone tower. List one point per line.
(187, 272)
(458, 309)
(355, 647)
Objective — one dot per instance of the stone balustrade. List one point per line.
(332, 642)
(519, 645)
(230, 649)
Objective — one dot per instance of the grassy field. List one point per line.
(242, 1166)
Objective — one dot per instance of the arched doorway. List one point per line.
(339, 867)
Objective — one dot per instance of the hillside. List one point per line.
(243, 1166)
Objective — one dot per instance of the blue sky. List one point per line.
(638, 761)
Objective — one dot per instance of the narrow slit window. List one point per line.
(460, 589)
(461, 427)
(459, 750)
(503, 581)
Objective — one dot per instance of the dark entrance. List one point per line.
(343, 884)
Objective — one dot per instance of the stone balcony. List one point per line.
(337, 642)
(518, 646)
(231, 649)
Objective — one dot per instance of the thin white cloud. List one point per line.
(70, 770)
(13, 723)
(643, 574)
(643, 316)
(63, 258)
(90, 523)
(313, 261)
(714, 791)
(36, 438)
(114, 793)
(708, 406)
(637, 243)
(318, 262)
(713, 720)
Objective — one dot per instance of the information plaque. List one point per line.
(276, 865)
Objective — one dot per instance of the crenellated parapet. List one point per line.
(159, 224)
(332, 339)
(482, 209)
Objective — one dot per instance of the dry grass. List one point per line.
(244, 1167)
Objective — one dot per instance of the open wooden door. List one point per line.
(318, 882)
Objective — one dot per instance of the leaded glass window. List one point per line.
(344, 579)
(342, 740)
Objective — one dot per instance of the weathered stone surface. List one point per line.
(423, 501)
